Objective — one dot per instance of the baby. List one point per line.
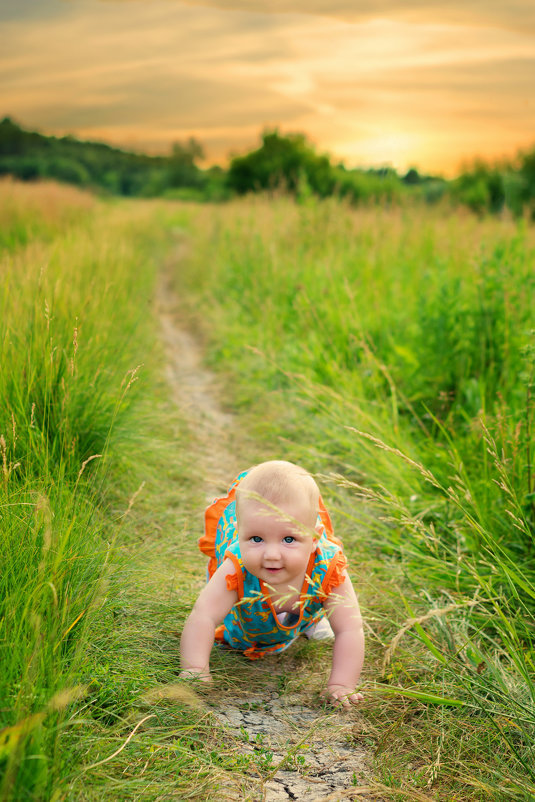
(276, 571)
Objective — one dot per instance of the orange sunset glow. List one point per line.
(430, 85)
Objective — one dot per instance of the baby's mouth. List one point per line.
(273, 570)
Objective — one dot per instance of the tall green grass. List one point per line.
(390, 353)
(41, 210)
(100, 496)
(73, 332)
(393, 352)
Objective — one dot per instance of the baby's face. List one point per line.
(274, 548)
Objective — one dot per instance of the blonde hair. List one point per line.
(279, 482)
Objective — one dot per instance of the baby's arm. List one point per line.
(343, 612)
(214, 602)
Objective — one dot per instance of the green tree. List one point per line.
(285, 162)
(412, 176)
(527, 174)
(481, 188)
(183, 170)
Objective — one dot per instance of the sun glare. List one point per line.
(396, 149)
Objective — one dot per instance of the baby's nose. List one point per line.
(272, 551)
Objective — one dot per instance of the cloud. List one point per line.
(32, 9)
(162, 73)
(133, 71)
(439, 116)
(170, 103)
(514, 15)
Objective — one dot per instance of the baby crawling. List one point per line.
(276, 571)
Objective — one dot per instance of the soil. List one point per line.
(312, 750)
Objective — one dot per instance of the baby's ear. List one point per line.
(318, 530)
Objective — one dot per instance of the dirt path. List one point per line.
(313, 751)
(194, 390)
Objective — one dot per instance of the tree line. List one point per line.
(283, 163)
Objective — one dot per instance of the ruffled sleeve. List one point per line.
(232, 582)
(235, 580)
(335, 574)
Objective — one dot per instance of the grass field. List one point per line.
(393, 353)
(389, 351)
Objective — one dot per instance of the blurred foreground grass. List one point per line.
(100, 506)
(77, 332)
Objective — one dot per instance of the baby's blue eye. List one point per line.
(289, 539)
(256, 539)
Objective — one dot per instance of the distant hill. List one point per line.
(29, 155)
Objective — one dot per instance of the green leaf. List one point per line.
(421, 696)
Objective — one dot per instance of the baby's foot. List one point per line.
(320, 631)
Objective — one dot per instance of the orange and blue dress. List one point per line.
(252, 625)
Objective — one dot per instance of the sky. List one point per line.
(371, 82)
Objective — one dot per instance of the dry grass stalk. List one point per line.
(132, 499)
(118, 751)
(411, 622)
(94, 456)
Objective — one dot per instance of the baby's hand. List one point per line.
(196, 674)
(339, 695)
